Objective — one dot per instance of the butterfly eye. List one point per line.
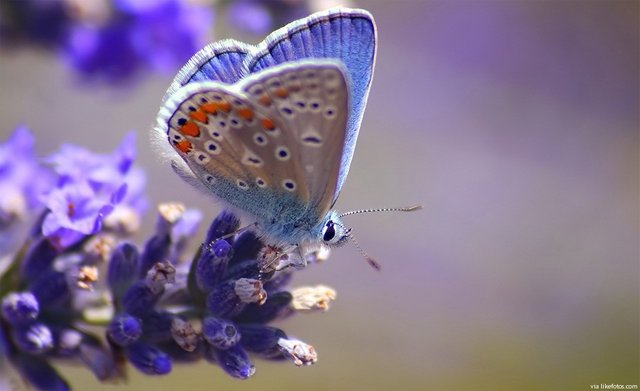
(329, 231)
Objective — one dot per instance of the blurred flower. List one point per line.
(112, 41)
(18, 169)
(251, 16)
(22, 183)
(42, 22)
(159, 35)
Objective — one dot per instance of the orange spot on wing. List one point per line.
(282, 92)
(211, 108)
(246, 113)
(184, 146)
(199, 116)
(190, 129)
(224, 106)
(264, 100)
(268, 124)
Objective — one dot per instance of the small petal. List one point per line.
(246, 246)
(168, 215)
(35, 338)
(161, 274)
(184, 334)
(312, 299)
(183, 231)
(235, 362)
(157, 326)
(243, 269)
(99, 359)
(67, 342)
(276, 306)
(212, 264)
(299, 352)
(224, 224)
(124, 329)
(38, 259)
(250, 290)
(219, 333)
(261, 339)
(148, 359)
(139, 300)
(86, 276)
(51, 290)
(98, 249)
(123, 269)
(224, 302)
(278, 282)
(124, 219)
(155, 250)
(19, 308)
(40, 374)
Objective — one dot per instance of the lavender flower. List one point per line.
(20, 193)
(158, 304)
(159, 35)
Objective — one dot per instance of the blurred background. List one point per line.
(515, 124)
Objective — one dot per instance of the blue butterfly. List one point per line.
(271, 129)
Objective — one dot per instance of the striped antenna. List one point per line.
(402, 209)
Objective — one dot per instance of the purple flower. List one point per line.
(250, 16)
(41, 22)
(166, 35)
(22, 179)
(75, 211)
(91, 186)
(159, 35)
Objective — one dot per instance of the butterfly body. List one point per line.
(271, 129)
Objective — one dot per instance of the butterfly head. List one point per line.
(333, 232)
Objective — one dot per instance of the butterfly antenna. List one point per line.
(374, 264)
(402, 209)
(237, 231)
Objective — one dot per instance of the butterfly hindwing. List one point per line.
(268, 143)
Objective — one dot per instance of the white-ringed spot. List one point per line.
(235, 122)
(289, 185)
(315, 105)
(260, 139)
(212, 147)
(282, 153)
(330, 112)
(286, 111)
(201, 157)
(251, 159)
(242, 184)
(300, 106)
(261, 183)
(215, 135)
(311, 139)
(209, 178)
(175, 136)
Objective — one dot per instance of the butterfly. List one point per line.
(271, 129)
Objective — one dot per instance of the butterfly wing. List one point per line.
(269, 145)
(219, 61)
(348, 35)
